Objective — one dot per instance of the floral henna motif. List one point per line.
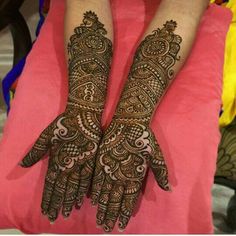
(151, 73)
(124, 155)
(90, 54)
(72, 138)
(129, 145)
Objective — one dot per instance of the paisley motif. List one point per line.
(72, 138)
(129, 145)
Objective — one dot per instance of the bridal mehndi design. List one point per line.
(129, 145)
(73, 137)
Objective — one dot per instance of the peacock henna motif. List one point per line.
(90, 54)
(129, 146)
(72, 139)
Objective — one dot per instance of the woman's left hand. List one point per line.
(72, 140)
(124, 154)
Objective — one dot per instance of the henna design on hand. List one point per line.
(72, 138)
(129, 145)
(124, 154)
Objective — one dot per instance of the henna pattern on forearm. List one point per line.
(151, 73)
(72, 138)
(90, 55)
(129, 145)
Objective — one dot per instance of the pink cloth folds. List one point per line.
(185, 124)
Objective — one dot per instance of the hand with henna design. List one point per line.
(72, 138)
(125, 152)
(129, 145)
(72, 142)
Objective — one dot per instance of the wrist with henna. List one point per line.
(150, 75)
(72, 138)
(90, 54)
(129, 145)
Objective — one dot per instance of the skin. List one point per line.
(73, 137)
(118, 160)
(129, 145)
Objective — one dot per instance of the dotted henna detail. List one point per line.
(72, 138)
(151, 73)
(129, 145)
(90, 54)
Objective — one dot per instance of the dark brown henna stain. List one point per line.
(72, 138)
(129, 145)
(151, 73)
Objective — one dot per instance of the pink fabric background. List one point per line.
(186, 125)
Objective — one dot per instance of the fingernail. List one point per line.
(21, 163)
(99, 222)
(169, 188)
(121, 230)
(106, 228)
(93, 202)
(77, 207)
(66, 216)
(44, 213)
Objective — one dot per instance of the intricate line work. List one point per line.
(129, 145)
(90, 58)
(151, 73)
(72, 138)
(124, 154)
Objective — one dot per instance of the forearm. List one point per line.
(162, 52)
(187, 15)
(88, 43)
(74, 16)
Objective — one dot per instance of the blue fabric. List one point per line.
(41, 19)
(15, 72)
(9, 79)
